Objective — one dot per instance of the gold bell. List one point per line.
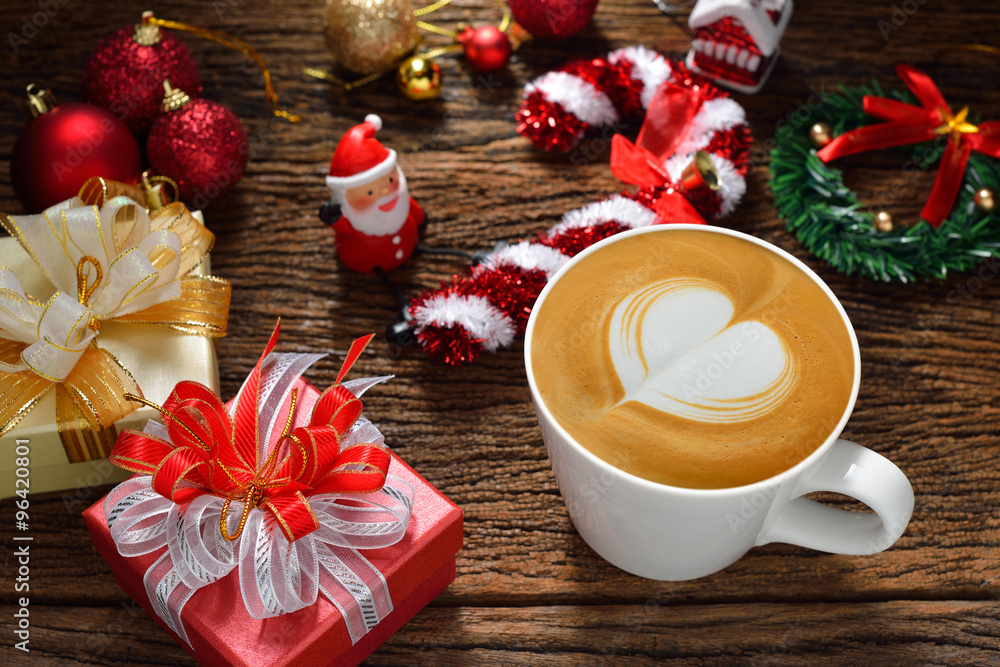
(700, 174)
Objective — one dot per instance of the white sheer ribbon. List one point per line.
(276, 576)
(57, 332)
(75, 246)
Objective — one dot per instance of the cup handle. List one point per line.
(857, 472)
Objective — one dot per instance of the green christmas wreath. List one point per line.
(833, 224)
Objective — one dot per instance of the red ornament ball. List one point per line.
(58, 151)
(487, 48)
(126, 76)
(202, 146)
(552, 18)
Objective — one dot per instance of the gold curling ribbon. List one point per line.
(236, 44)
(252, 494)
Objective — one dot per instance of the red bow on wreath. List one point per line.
(909, 124)
(667, 124)
(211, 452)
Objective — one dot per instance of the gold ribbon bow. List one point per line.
(110, 260)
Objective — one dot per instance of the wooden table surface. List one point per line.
(529, 590)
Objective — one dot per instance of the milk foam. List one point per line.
(692, 358)
(676, 348)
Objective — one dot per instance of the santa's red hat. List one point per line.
(359, 157)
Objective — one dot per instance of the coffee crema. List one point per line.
(692, 358)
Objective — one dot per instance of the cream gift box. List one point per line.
(158, 358)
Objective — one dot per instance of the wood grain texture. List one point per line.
(529, 591)
(753, 634)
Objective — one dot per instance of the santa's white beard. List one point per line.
(376, 222)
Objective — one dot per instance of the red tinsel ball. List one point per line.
(59, 150)
(552, 18)
(486, 48)
(510, 288)
(575, 240)
(202, 146)
(126, 77)
(449, 346)
(548, 125)
(615, 81)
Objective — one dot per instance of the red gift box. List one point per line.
(416, 570)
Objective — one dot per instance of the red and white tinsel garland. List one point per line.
(486, 308)
(561, 106)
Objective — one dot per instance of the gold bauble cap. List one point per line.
(173, 98)
(40, 100)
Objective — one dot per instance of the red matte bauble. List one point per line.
(552, 18)
(487, 48)
(127, 77)
(58, 151)
(202, 146)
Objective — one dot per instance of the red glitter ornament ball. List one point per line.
(126, 70)
(487, 48)
(65, 145)
(552, 18)
(202, 145)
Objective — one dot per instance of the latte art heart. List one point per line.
(692, 358)
(675, 348)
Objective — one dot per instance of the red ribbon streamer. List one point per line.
(211, 452)
(908, 124)
(667, 123)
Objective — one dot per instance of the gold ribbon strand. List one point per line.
(236, 44)
(252, 494)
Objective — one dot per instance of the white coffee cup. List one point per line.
(672, 533)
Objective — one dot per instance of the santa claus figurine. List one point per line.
(374, 219)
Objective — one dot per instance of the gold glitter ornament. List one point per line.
(369, 36)
(985, 200)
(419, 78)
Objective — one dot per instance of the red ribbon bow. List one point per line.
(210, 452)
(909, 124)
(668, 122)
